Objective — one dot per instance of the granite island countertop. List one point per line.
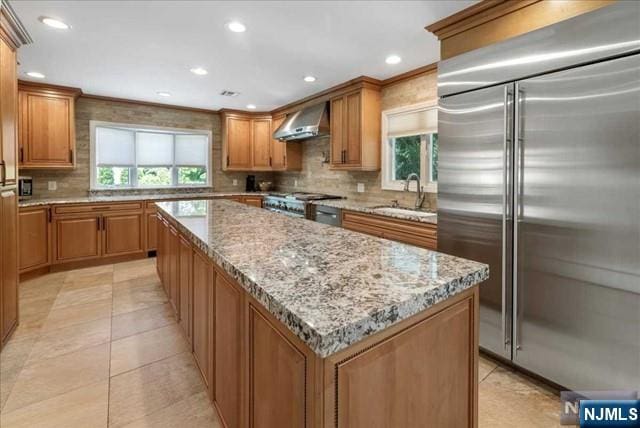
(369, 208)
(132, 197)
(331, 287)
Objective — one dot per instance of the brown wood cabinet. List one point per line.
(261, 143)
(419, 371)
(47, 126)
(34, 237)
(8, 263)
(284, 156)
(278, 389)
(8, 114)
(248, 145)
(203, 314)
(77, 237)
(237, 147)
(185, 286)
(123, 233)
(152, 231)
(355, 130)
(255, 201)
(228, 323)
(410, 232)
(173, 248)
(91, 231)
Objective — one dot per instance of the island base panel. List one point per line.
(421, 371)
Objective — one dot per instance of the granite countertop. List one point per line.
(330, 286)
(131, 197)
(368, 207)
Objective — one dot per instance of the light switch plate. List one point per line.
(235, 182)
(295, 183)
(360, 187)
(52, 185)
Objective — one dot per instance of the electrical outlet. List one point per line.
(52, 185)
(295, 183)
(235, 182)
(360, 187)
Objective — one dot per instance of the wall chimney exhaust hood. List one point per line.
(306, 123)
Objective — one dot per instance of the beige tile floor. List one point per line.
(99, 347)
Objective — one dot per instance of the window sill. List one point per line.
(129, 189)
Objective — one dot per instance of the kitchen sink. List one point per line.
(402, 211)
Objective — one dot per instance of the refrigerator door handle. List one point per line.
(517, 207)
(506, 211)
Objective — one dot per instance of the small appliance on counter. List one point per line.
(251, 183)
(264, 186)
(25, 188)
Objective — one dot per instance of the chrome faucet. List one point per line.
(419, 188)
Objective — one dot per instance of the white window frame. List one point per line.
(388, 155)
(133, 177)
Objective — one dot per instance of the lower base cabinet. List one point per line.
(77, 237)
(203, 308)
(34, 236)
(8, 264)
(422, 371)
(229, 304)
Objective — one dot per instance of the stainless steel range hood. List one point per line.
(306, 123)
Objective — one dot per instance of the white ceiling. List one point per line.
(133, 49)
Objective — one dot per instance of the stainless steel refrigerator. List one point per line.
(539, 176)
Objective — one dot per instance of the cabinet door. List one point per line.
(228, 350)
(261, 132)
(8, 262)
(337, 130)
(34, 238)
(9, 115)
(77, 238)
(277, 385)
(172, 252)
(185, 256)
(152, 231)
(122, 233)
(353, 131)
(238, 143)
(203, 317)
(278, 148)
(47, 135)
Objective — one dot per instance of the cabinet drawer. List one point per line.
(150, 206)
(86, 208)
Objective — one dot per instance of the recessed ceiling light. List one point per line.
(251, 106)
(35, 74)
(393, 59)
(236, 27)
(199, 71)
(163, 94)
(309, 79)
(54, 23)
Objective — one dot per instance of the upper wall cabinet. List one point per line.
(247, 144)
(355, 130)
(46, 126)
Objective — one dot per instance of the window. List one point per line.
(126, 156)
(410, 145)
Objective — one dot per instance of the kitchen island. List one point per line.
(294, 323)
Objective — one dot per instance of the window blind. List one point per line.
(191, 150)
(116, 147)
(412, 123)
(154, 149)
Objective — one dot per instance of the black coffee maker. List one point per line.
(251, 183)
